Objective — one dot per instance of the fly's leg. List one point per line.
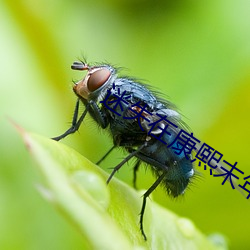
(75, 124)
(91, 107)
(124, 161)
(145, 196)
(136, 167)
(105, 155)
(97, 114)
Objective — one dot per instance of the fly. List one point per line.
(139, 121)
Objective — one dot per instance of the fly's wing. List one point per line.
(165, 124)
(174, 117)
(160, 119)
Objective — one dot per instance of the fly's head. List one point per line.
(97, 79)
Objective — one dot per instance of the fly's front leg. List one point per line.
(97, 114)
(75, 123)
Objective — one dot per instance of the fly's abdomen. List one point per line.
(164, 158)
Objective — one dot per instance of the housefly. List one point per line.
(138, 121)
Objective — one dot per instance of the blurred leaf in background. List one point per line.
(196, 53)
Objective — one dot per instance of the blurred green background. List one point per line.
(195, 52)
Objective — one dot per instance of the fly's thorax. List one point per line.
(96, 82)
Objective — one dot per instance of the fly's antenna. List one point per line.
(80, 66)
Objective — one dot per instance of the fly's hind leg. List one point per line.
(145, 196)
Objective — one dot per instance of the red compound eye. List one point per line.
(97, 79)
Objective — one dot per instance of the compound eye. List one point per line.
(97, 79)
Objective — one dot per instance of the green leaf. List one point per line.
(107, 215)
